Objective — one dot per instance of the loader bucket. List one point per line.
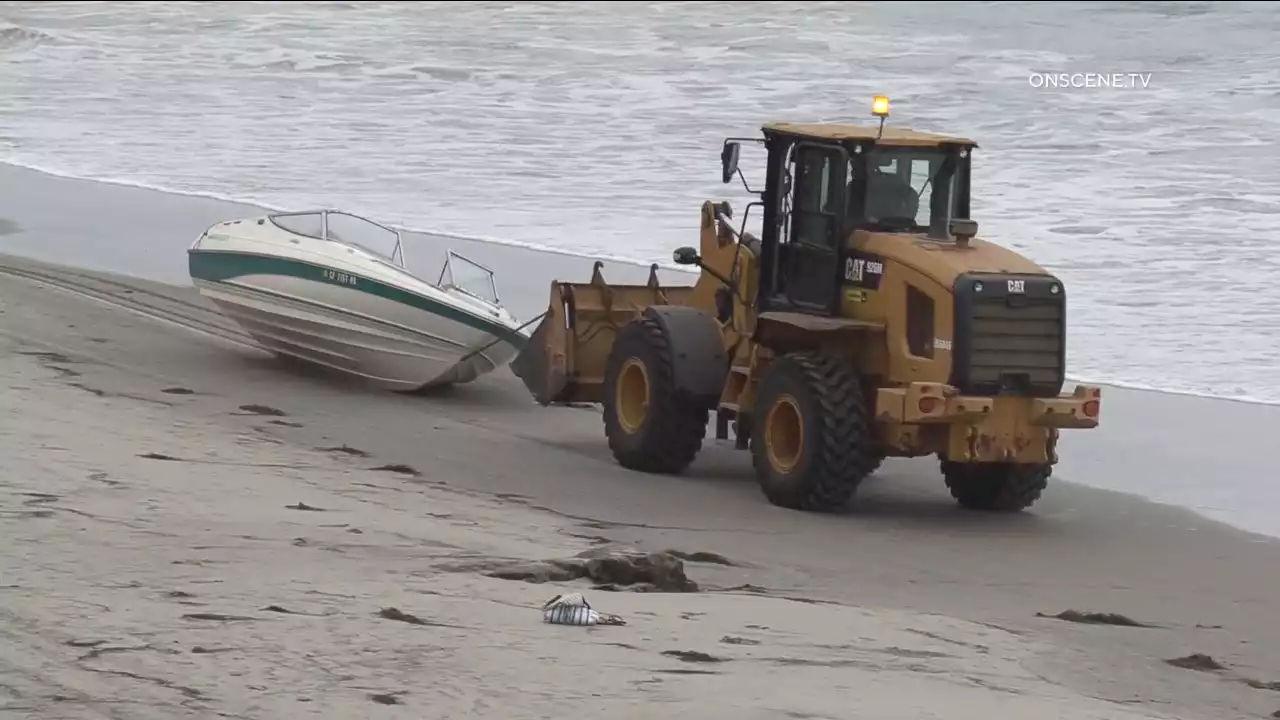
(564, 360)
(533, 365)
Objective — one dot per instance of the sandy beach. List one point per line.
(193, 530)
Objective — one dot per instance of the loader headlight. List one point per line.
(1054, 289)
(977, 287)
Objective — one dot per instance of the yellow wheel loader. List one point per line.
(867, 321)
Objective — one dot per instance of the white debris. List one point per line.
(573, 609)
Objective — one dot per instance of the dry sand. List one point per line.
(134, 587)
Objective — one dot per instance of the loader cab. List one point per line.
(823, 182)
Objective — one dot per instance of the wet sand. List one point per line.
(123, 578)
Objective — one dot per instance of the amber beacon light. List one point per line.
(880, 108)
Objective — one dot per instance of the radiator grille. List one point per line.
(1009, 342)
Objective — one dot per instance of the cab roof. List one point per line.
(890, 136)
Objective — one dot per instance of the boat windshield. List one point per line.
(347, 229)
(470, 277)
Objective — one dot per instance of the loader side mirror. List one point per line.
(729, 161)
(686, 256)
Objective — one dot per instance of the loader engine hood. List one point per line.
(944, 261)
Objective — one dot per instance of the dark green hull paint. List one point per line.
(218, 266)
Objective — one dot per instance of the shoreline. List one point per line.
(143, 234)
(252, 205)
(1215, 515)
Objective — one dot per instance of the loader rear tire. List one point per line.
(996, 487)
(812, 443)
(650, 427)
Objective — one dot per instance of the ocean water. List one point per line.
(595, 129)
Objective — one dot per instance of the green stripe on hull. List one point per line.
(218, 266)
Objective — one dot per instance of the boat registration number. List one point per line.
(339, 277)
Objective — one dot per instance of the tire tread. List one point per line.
(845, 455)
(996, 487)
(674, 430)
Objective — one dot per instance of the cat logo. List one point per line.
(863, 270)
(1017, 286)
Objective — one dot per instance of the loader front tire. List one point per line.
(649, 426)
(812, 443)
(996, 487)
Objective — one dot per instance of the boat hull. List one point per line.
(395, 338)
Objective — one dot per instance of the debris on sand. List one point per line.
(1262, 685)
(159, 456)
(345, 449)
(217, 617)
(280, 609)
(692, 656)
(573, 609)
(178, 391)
(1197, 661)
(391, 613)
(202, 650)
(304, 507)
(384, 698)
(749, 588)
(1095, 618)
(702, 557)
(732, 640)
(398, 468)
(263, 410)
(655, 572)
(658, 571)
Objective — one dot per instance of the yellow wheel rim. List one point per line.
(784, 434)
(632, 395)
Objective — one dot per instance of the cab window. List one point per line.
(900, 187)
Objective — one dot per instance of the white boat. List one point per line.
(331, 288)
